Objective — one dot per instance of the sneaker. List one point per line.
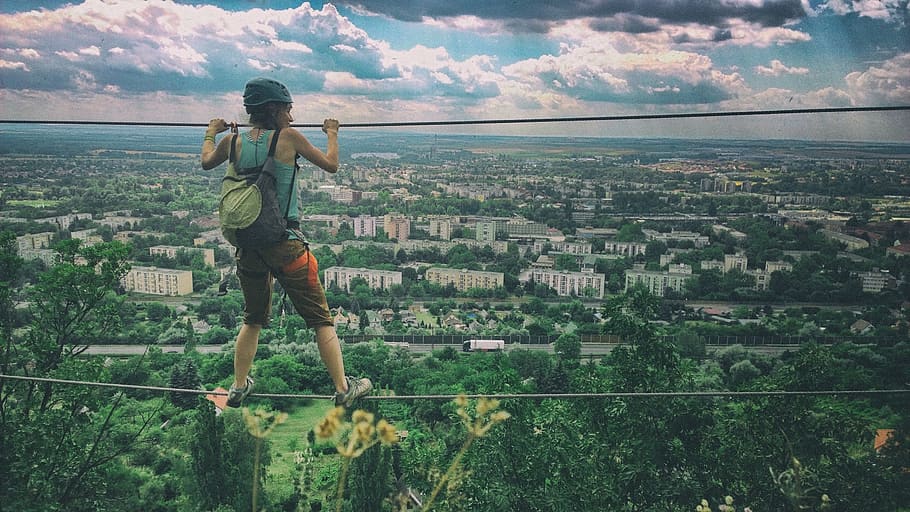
(236, 396)
(356, 389)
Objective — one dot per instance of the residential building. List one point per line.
(738, 262)
(627, 249)
(567, 284)
(397, 227)
(35, 241)
(441, 227)
(485, 231)
(657, 282)
(698, 240)
(876, 280)
(171, 251)
(464, 279)
(853, 243)
(158, 281)
(376, 279)
(364, 226)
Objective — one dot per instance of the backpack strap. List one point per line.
(274, 143)
(233, 155)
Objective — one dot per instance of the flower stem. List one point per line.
(339, 498)
(450, 471)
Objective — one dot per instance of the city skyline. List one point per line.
(366, 61)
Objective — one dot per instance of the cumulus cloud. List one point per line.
(532, 12)
(888, 83)
(777, 68)
(149, 46)
(887, 10)
(600, 73)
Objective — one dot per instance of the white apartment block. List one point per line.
(48, 256)
(485, 231)
(712, 265)
(577, 248)
(171, 251)
(397, 227)
(656, 282)
(678, 236)
(376, 279)
(34, 241)
(876, 280)
(762, 279)
(738, 262)
(778, 266)
(464, 279)
(567, 284)
(364, 226)
(627, 249)
(116, 223)
(441, 227)
(853, 243)
(158, 281)
(65, 221)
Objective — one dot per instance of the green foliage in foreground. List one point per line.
(80, 448)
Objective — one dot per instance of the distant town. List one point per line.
(431, 234)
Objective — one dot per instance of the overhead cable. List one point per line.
(525, 120)
(500, 396)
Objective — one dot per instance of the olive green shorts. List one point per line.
(295, 267)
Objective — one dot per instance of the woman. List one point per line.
(290, 262)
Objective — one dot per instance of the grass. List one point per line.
(34, 203)
(289, 437)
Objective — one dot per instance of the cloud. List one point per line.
(596, 72)
(532, 12)
(149, 46)
(777, 68)
(887, 84)
(886, 10)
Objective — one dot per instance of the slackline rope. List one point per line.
(629, 117)
(680, 394)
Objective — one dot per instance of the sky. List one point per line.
(363, 61)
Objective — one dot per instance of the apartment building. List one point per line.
(697, 240)
(464, 279)
(853, 243)
(627, 249)
(875, 280)
(567, 284)
(738, 262)
(577, 248)
(34, 241)
(376, 279)
(441, 227)
(364, 226)
(158, 281)
(485, 231)
(656, 281)
(171, 251)
(397, 227)
(65, 221)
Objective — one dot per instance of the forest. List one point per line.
(89, 448)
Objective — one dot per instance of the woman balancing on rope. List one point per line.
(289, 261)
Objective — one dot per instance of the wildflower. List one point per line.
(387, 433)
(261, 423)
(728, 500)
(329, 425)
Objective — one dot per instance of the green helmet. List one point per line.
(260, 91)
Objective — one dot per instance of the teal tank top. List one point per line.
(254, 153)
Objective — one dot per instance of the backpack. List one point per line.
(248, 209)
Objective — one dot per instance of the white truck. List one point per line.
(483, 345)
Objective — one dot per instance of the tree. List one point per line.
(61, 445)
